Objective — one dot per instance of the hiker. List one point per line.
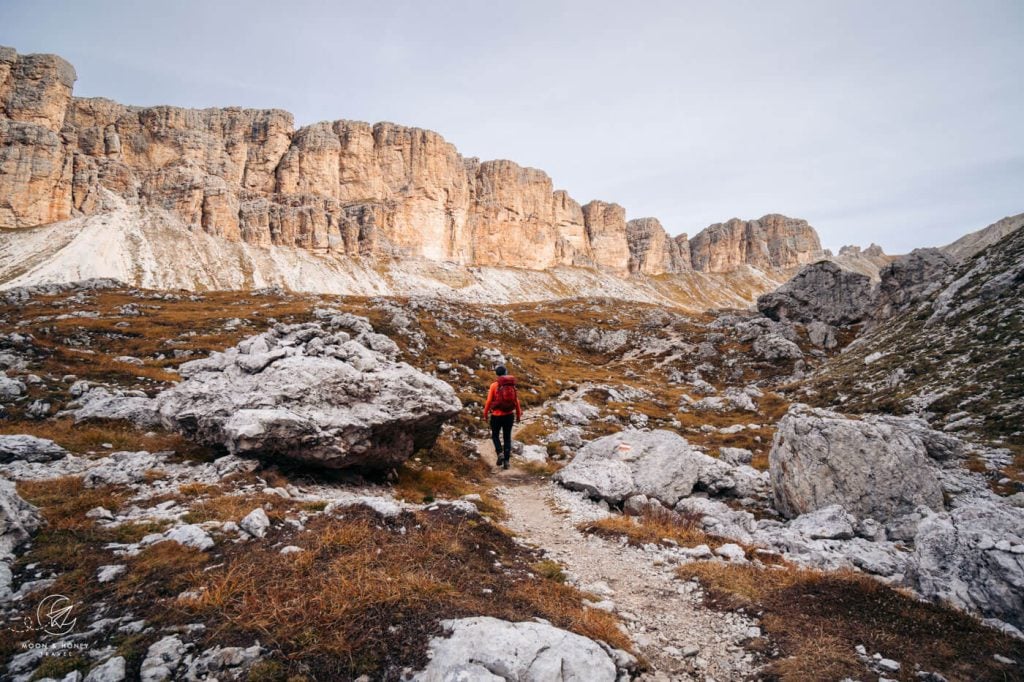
(503, 408)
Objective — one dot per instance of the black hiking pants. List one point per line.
(502, 426)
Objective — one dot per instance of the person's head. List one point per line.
(500, 370)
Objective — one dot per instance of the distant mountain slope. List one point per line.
(956, 357)
(972, 243)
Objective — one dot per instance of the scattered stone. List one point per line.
(659, 464)
(255, 523)
(19, 520)
(732, 552)
(10, 388)
(38, 409)
(189, 535)
(576, 412)
(231, 660)
(162, 659)
(113, 670)
(832, 523)
(888, 665)
(949, 564)
(735, 456)
(100, 404)
(773, 347)
(106, 574)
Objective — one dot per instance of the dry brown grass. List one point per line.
(363, 595)
(148, 335)
(817, 618)
(228, 507)
(653, 528)
(447, 471)
(534, 432)
(65, 500)
(121, 436)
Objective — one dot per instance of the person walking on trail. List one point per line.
(503, 408)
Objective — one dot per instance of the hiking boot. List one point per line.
(504, 463)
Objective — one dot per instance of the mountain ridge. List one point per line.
(341, 187)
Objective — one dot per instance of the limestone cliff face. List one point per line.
(653, 252)
(773, 241)
(341, 187)
(35, 171)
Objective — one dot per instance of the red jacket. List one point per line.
(490, 401)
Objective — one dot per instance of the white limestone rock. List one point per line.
(486, 648)
(659, 464)
(973, 557)
(29, 449)
(876, 467)
(316, 396)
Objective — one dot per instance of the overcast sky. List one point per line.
(900, 123)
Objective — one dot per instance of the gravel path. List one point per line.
(681, 639)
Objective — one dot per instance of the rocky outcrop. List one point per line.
(486, 648)
(875, 467)
(823, 292)
(606, 232)
(973, 557)
(19, 520)
(951, 348)
(910, 280)
(345, 187)
(330, 395)
(771, 241)
(867, 261)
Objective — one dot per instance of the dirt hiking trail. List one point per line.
(679, 637)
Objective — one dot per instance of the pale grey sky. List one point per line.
(900, 123)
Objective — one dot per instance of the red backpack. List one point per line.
(505, 397)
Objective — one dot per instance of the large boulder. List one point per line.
(973, 557)
(488, 649)
(822, 291)
(873, 467)
(24, 448)
(98, 404)
(313, 393)
(773, 347)
(659, 464)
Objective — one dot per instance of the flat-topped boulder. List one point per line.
(330, 394)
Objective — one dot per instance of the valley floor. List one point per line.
(372, 564)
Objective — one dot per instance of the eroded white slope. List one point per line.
(151, 249)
